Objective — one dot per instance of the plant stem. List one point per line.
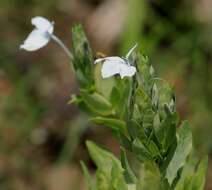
(67, 51)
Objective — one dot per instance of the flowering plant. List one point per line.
(140, 110)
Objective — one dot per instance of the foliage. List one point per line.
(141, 112)
(174, 35)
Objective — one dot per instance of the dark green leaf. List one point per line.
(141, 152)
(154, 149)
(137, 131)
(184, 145)
(126, 142)
(133, 128)
(82, 58)
(128, 172)
(165, 131)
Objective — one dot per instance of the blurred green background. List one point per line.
(41, 136)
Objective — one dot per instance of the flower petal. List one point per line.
(115, 65)
(42, 24)
(131, 50)
(99, 60)
(110, 68)
(36, 40)
(126, 70)
(113, 58)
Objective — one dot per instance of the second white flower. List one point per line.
(116, 65)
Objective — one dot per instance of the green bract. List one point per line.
(141, 112)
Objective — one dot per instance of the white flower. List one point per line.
(40, 36)
(116, 65)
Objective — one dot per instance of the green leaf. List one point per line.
(200, 175)
(114, 124)
(103, 181)
(157, 130)
(102, 157)
(126, 142)
(154, 149)
(169, 126)
(141, 152)
(128, 172)
(184, 146)
(166, 96)
(143, 98)
(91, 186)
(133, 128)
(143, 112)
(115, 96)
(117, 181)
(165, 131)
(155, 95)
(120, 97)
(145, 79)
(152, 178)
(136, 131)
(188, 169)
(103, 86)
(196, 181)
(109, 173)
(82, 57)
(77, 99)
(97, 103)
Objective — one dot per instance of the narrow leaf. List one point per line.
(91, 186)
(114, 124)
(126, 142)
(128, 172)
